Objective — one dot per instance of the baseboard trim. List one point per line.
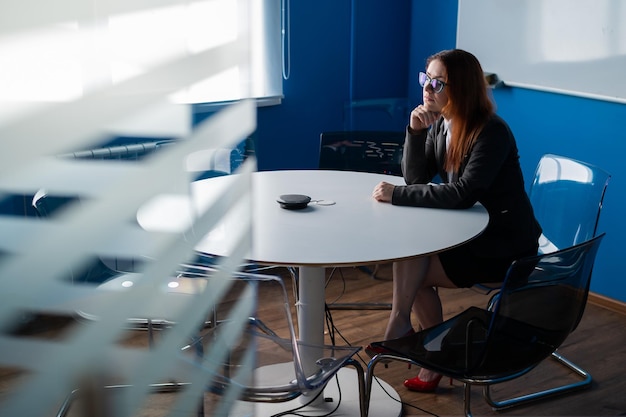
(608, 303)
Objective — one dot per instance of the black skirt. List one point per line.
(465, 268)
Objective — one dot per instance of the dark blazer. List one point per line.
(490, 174)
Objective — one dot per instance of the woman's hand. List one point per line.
(383, 192)
(422, 118)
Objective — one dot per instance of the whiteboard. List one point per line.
(573, 47)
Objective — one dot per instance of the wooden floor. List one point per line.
(598, 346)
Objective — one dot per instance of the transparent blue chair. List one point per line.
(567, 197)
(95, 272)
(539, 304)
(241, 358)
(284, 368)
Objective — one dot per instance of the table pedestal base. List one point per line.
(384, 403)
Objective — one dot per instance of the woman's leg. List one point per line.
(407, 280)
(414, 283)
(427, 307)
(426, 302)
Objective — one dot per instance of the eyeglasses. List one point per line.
(437, 85)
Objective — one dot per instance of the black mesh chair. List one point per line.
(377, 152)
(364, 151)
(540, 303)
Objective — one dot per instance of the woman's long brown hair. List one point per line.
(469, 106)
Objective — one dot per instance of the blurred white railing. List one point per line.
(36, 254)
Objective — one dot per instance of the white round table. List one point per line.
(355, 230)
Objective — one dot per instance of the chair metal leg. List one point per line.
(369, 375)
(163, 387)
(156, 388)
(523, 399)
(361, 380)
(466, 399)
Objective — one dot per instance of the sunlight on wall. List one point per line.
(62, 61)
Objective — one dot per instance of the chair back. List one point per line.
(94, 271)
(47, 205)
(365, 151)
(540, 304)
(567, 197)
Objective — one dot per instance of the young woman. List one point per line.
(456, 135)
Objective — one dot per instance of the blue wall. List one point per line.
(339, 56)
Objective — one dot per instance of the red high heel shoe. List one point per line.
(375, 350)
(416, 384)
